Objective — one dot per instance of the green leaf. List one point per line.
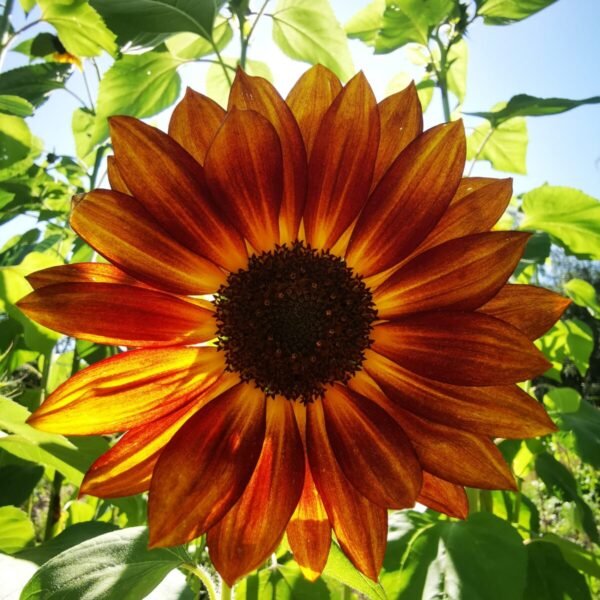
(16, 529)
(82, 123)
(571, 217)
(523, 105)
(583, 294)
(154, 78)
(366, 23)
(507, 507)
(35, 82)
(504, 12)
(563, 400)
(458, 58)
(113, 566)
(15, 105)
(584, 426)
(217, 86)
(550, 577)
(80, 28)
(15, 140)
(18, 477)
(27, 5)
(307, 30)
(578, 557)
(148, 22)
(505, 146)
(465, 560)
(190, 46)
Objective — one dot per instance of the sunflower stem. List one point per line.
(226, 591)
(204, 577)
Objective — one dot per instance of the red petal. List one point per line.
(244, 171)
(250, 532)
(461, 274)
(410, 199)
(80, 273)
(341, 163)
(443, 496)
(119, 314)
(195, 122)
(205, 468)
(171, 186)
(460, 348)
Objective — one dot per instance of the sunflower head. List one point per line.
(318, 316)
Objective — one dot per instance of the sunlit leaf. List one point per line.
(35, 82)
(82, 123)
(583, 294)
(188, 46)
(15, 140)
(16, 529)
(571, 339)
(367, 22)
(504, 12)
(217, 84)
(15, 105)
(562, 400)
(582, 559)
(584, 425)
(307, 30)
(458, 58)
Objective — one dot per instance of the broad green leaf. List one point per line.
(15, 140)
(538, 247)
(563, 400)
(584, 560)
(148, 22)
(571, 217)
(583, 294)
(190, 46)
(82, 123)
(366, 23)
(505, 147)
(20, 167)
(80, 28)
(524, 105)
(307, 30)
(154, 78)
(516, 508)
(16, 529)
(217, 85)
(465, 560)
(35, 82)
(571, 339)
(42, 45)
(584, 425)
(551, 577)
(504, 12)
(458, 58)
(113, 566)
(18, 477)
(15, 105)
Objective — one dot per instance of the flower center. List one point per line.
(295, 320)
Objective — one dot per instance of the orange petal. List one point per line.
(205, 468)
(532, 310)
(383, 467)
(114, 176)
(498, 411)
(80, 273)
(129, 389)
(401, 122)
(249, 533)
(309, 531)
(341, 163)
(195, 122)
(409, 200)
(452, 454)
(461, 274)
(309, 100)
(460, 348)
(171, 186)
(476, 207)
(126, 469)
(360, 526)
(443, 496)
(119, 314)
(123, 231)
(256, 93)
(244, 170)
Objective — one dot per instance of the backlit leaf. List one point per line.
(188, 46)
(15, 105)
(16, 529)
(15, 140)
(35, 82)
(583, 294)
(504, 12)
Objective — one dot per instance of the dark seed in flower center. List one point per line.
(295, 320)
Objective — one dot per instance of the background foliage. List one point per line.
(538, 544)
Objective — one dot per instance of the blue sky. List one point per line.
(553, 53)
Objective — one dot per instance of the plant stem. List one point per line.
(99, 156)
(221, 61)
(4, 35)
(204, 577)
(245, 41)
(225, 591)
(485, 140)
(87, 89)
(53, 505)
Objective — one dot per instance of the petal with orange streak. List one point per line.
(172, 187)
(126, 469)
(401, 122)
(360, 525)
(80, 273)
(409, 200)
(309, 100)
(498, 411)
(341, 163)
(459, 348)
(249, 533)
(206, 467)
(125, 233)
(128, 389)
(244, 170)
(461, 274)
(256, 93)
(124, 315)
(532, 310)
(195, 122)
(443, 496)
(117, 183)
(371, 449)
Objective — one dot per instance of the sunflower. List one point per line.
(321, 323)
